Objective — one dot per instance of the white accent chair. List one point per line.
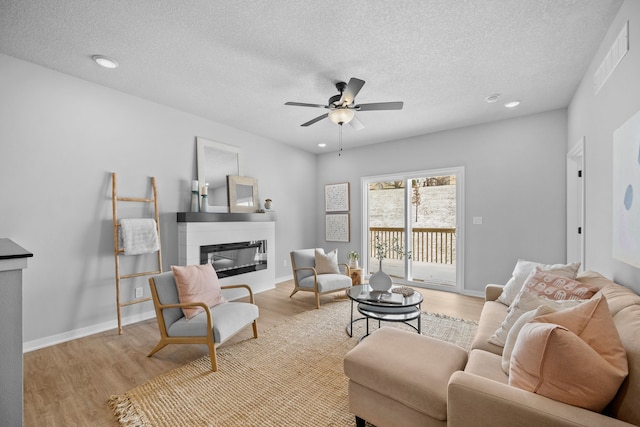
(307, 279)
(212, 326)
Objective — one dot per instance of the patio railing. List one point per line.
(435, 245)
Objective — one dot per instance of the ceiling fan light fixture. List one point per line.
(341, 116)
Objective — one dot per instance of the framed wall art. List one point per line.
(626, 192)
(337, 227)
(336, 197)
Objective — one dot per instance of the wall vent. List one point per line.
(613, 57)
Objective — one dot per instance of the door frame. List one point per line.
(576, 204)
(458, 172)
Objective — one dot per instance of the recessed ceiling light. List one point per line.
(512, 104)
(105, 62)
(322, 145)
(492, 98)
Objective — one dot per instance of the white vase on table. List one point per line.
(380, 281)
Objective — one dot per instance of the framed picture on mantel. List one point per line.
(336, 197)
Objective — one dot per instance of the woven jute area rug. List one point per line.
(292, 375)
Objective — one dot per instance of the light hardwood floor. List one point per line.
(68, 384)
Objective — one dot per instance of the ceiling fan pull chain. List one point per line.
(340, 139)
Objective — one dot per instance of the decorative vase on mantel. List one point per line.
(380, 281)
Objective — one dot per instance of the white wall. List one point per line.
(515, 180)
(60, 137)
(596, 117)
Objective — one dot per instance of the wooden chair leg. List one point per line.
(162, 344)
(255, 329)
(293, 293)
(317, 300)
(212, 356)
(360, 422)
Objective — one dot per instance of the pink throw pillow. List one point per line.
(197, 283)
(552, 286)
(573, 356)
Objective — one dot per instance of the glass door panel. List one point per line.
(417, 212)
(386, 218)
(433, 230)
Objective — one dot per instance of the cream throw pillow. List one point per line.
(524, 268)
(197, 283)
(512, 336)
(327, 263)
(526, 301)
(573, 356)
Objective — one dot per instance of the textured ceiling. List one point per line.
(238, 62)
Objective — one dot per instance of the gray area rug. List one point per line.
(292, 375)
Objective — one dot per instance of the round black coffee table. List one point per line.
(384, 306)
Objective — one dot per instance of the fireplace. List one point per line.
(231, 259)
(196, 230)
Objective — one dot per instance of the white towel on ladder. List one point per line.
(139, 236)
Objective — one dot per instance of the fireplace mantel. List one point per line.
(226, 217)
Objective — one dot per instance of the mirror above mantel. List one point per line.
(215, 162)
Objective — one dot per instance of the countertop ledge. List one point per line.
(11, 250)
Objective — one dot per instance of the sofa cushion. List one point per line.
(574, 356)
(618, 297)
(197, 283)
(407, 375)
(625, 405)
(492, 315)
(487, 365)
(326, 263)
(515, 330)
(525, 301)
(524, 268)
(555, 287)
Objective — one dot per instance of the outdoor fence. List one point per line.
(435, 245)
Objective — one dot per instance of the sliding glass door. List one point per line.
(415, 219)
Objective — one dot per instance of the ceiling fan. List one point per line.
(342, 106)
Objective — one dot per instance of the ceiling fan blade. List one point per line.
(380, 106)
(302, 104)
(352, 89)
(356, 123)
(317, 119)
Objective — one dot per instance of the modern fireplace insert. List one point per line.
(231, 259)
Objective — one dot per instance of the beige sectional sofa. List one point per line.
(398, 378)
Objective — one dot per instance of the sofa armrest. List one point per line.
(480, 402)
(492, 292)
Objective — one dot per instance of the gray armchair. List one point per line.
(211, 326)
(306, 277)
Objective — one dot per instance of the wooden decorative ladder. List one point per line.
(117, 250)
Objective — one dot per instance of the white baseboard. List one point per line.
(84, 332)
(284, 278)
(99, 327)
(467, 292)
